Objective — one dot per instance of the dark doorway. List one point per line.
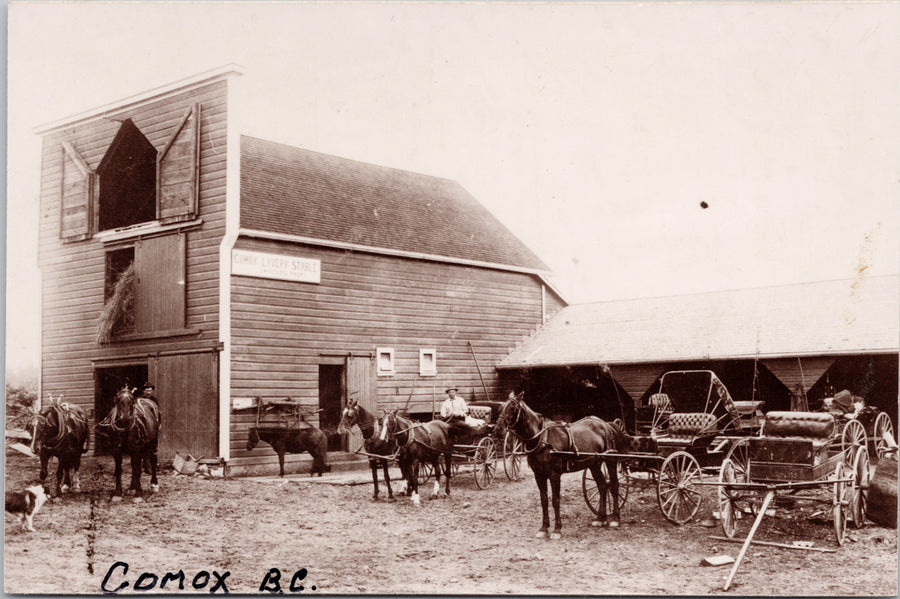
(331, 394)
(107, 382)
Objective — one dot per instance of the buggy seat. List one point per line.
(480, 412)
(686, 428)
(793, 438)
(817, 427)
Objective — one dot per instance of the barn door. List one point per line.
(361, 387)
(188, 390)
(159, 298)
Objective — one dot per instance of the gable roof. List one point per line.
(296, 192)
(859, 316)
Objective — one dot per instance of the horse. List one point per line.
(286, 440)
(543, 438)
(355, 414)
(61, 430)
(132, 427)
(419, 442)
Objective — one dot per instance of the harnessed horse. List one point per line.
(356, 415)
(132, 427)
(552, 449)
(419, 442)
(61, 430)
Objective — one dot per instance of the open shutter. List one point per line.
(77, 196)
(177, 170)
(159, 293)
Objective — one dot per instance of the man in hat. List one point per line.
(149, 391)
(454, 411)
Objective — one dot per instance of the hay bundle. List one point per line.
(117, 315)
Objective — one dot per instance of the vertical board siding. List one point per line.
(282, 331)
(73, 273)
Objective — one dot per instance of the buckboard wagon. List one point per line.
(686, 429)
(796, 452)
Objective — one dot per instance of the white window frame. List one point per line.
(386, 370)
(424, 369)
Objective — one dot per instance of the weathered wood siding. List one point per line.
(73, 273)
(282, 331)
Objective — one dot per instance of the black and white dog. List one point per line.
(26, 504)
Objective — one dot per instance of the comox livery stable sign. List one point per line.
(275, 266)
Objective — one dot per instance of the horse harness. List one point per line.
(66, 420)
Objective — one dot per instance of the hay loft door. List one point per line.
(361, 387)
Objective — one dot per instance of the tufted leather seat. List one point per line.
(480, 412)
(816, 425)
(686, 427)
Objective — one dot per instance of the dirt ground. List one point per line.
(474, 542)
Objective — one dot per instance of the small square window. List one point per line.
(385, 361)
(427, 362)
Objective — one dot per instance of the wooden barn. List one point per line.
(230, 270)
(787, 346)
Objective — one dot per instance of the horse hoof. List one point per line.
(555, 535)
(598, 523)
(116, 498)
(541, 534)
(138, 499)
(154, 488)
(614, 524)
(64, 489)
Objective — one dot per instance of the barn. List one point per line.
(787, 346)
(232, 271)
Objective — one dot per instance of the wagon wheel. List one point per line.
(853, 436)
(677, 492)
(883, 430)
(859, 488)
(512, 456)
(592, 494)
(727, 497)
(425, 472)
(739, 455)
(484, 463)
(839, 504)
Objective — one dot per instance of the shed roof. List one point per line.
(291, 191)
(822, 318)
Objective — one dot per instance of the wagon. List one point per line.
(797, 452)
(483, 448)
(867, 425)
(686, 430)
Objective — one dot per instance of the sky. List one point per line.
(596, 132)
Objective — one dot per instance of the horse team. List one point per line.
(552, 448)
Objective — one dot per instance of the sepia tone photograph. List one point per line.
(452, 298)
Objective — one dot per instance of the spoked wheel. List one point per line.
(859, 489)
(727, 497)
(513, 450)
(425, 472)
(882, 431)
(592, 493)
(839, 504)
(677, 491)
(485, 468)
(739, 456)
(853, 436)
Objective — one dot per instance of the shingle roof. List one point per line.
(823, 318)
(298, 192)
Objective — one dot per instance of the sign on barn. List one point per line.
(275, 266)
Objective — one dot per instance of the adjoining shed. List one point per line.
(230, 270)
(788, 346)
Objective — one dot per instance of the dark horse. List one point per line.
(419, 442)
(543, 437)
(284, 440)
(61, 430)
(373, 445)
(132, 427)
